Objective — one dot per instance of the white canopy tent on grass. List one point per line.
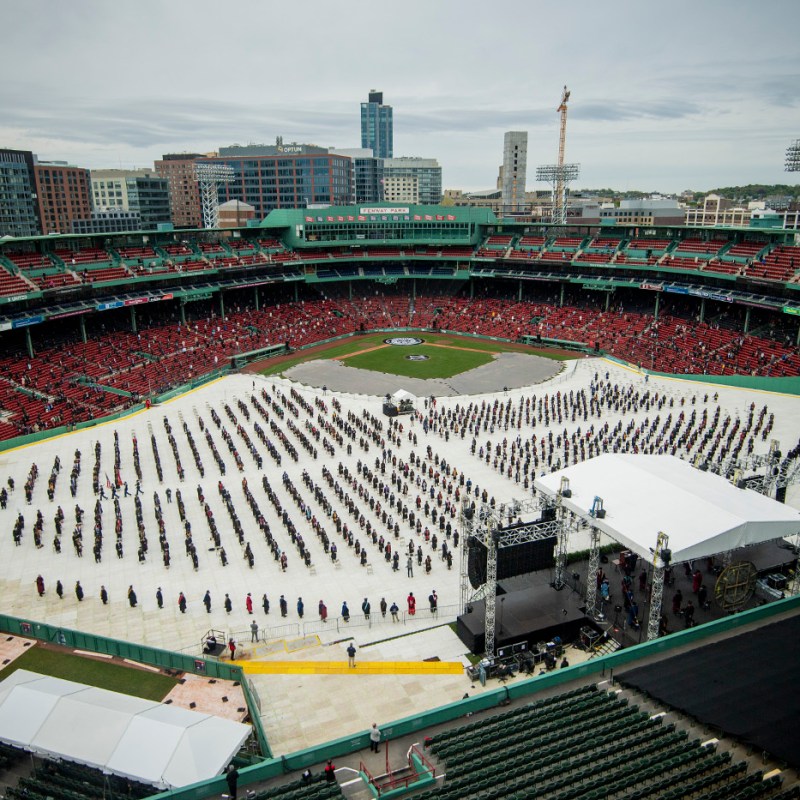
(154, 743)
(703, 514)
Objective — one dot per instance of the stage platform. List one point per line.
(533, 614)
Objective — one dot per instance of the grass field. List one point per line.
(442, 363)
(105, 675)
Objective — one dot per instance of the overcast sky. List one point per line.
(665, 96)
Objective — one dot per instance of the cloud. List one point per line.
(142, 123)
(624, 111)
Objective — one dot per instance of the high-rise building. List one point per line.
(514, 170)
(138, 190)
(19, 211)
(377, 126)
(412, 180)
(285, 176)
(184, 192)
(62, 191)
(367, 173)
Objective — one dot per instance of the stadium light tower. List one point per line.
(560, 175)
(793, 156)
(210, 176)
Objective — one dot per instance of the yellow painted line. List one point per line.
(361, 667)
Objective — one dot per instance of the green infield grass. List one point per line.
(442, 362)
(94, 672)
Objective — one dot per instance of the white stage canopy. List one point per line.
(702, 514)
(154, 743)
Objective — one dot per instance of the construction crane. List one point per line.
(560, 174)
(561, 197)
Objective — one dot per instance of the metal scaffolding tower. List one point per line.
(591, 575)
(486, 525)
(210, 176)
(564, 518)
(560, 175)
(661, 558)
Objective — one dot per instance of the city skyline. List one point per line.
(704, 96)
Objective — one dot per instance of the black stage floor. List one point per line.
(535, 614)
(745, 686)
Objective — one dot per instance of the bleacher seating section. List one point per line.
(13, 284)
(745, 249)
(30, 261)
(532, 242)
(176, 250)
(137, 253)
(498, 241)
(586, 744)
(636, 260)
(210, 248)
(54, 391)
(104, 274)
(655, 245)
(593, 257)
(55, 280)
(780, 265)
(699, 247)
(80, 258)
(566, 243)
(603, 244)
(723, 267)
(63, 780)
(694, 263)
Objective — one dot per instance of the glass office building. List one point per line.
(377, 127)
(285, 176)
(19, 211)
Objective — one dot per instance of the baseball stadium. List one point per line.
(408, 501)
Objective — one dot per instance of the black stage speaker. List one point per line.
(517, 560)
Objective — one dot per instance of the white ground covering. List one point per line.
(169, 628)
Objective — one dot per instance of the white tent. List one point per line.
(150, 742)
(402, 394)
(703, 514)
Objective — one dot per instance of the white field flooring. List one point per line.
(297, 710)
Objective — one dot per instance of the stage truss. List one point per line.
(488, 525)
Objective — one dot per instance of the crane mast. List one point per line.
(560, 197)
(559, 175)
